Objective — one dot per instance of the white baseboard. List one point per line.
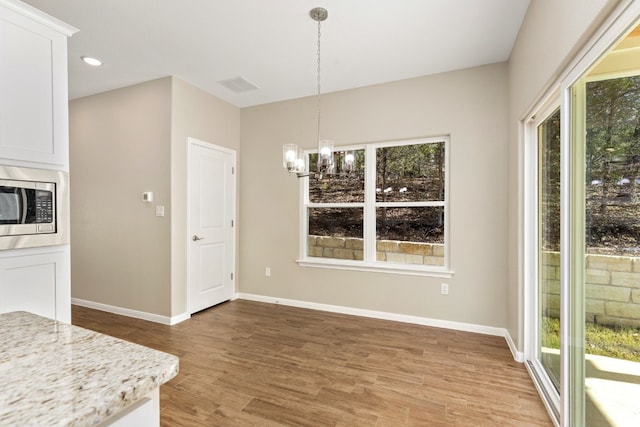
(518, 356)
(425, 321)
(165, 320)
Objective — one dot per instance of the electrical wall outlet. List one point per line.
(267, 272)
(444, 288)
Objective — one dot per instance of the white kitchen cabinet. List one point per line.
(38, 281)
(34, 132)
(33, 84)
(143, 413)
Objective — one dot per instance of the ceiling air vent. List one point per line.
(238, 84)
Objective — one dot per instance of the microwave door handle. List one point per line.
(25, 206)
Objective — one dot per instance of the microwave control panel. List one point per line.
(44, 207)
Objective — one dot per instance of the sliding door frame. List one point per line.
(532, 277)
(568, 409)
(572, 257)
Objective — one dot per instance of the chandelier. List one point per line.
(293, 158)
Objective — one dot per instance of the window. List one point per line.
(389, 214)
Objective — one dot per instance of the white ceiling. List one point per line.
(272, 43)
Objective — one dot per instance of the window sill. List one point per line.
(414, 270)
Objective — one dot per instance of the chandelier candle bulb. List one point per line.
(348, 162)
(325, 157)
(290, 157)
(349, 158)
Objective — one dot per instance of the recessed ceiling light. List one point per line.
(91, 61)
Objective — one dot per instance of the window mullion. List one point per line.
(369, 204)
(304, 216)
(335, 205)
(409, 204)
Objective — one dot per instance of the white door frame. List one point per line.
(190, 143)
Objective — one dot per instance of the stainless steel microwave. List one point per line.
(33, 207)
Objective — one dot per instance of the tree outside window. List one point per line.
(393, 214)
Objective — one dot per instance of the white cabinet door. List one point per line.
(37, 283)
(33, 88)
(143, 413)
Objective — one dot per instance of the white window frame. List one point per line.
(369, 226)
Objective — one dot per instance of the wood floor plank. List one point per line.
(246, 363)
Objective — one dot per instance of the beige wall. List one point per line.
(119, 148)
(122, 143)
(551, 35)
(471, 106)
(199, 115)
(132, 140)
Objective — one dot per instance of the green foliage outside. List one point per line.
(404, 173)
(617, 342)
(419, 168)
(612, 181)
(613, 165)
(612, 197)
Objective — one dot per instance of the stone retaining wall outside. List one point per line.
(387, 250)
(612, 293)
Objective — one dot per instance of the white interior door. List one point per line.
(211, 244)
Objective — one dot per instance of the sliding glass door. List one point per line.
(548, 239)
(610, 251)
(543, 355)
(582, 228)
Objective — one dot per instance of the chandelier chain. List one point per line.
(318, 97)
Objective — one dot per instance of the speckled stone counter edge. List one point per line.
(56, 374)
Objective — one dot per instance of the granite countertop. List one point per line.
(56, 374)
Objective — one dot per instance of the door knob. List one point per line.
(195, 238)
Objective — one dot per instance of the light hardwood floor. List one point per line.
(245, 363)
